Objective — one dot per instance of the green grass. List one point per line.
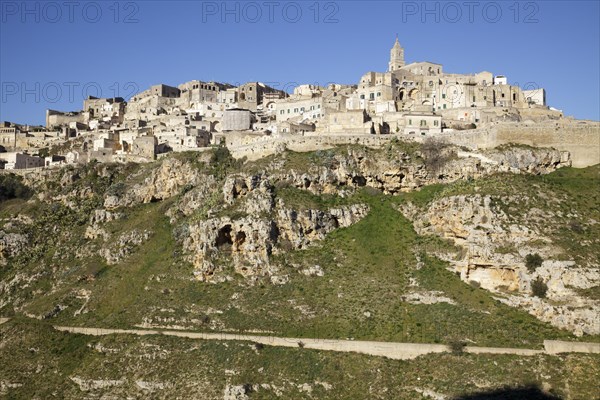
(40, 363)
(367, 268)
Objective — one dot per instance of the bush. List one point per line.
(475, 284)
(539, 288)
(456, 346)
(117, 189)
(222, 162)
(259, 346)
(435, 155)
(533, 262)
(576, 227)
(11, 187)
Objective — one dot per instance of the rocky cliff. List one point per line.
(494, 246)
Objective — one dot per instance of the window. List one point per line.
(378, 94)
(435, 123)
(410, 121)
(444, 106)
(371, 96)
(362, 96)
(423, 122)
(443, 95)
(502, 94)
(473, 98)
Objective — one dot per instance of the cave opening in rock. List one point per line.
(240, 238)
(359, 180)
(224, 241)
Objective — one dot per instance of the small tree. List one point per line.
(456, 346)
(435, 155)
(533, 262)
(539, 288)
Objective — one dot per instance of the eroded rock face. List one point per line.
(124, 246)
(236, 392)
(11, 244)
(483, 231)
(97, 220)
(400, 173)
(171, 176)
(247, 243)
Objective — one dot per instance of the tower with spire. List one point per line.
(396, 56)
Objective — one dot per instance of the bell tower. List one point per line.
(396, 56)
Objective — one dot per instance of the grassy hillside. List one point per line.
(368, 268)
(39, 362)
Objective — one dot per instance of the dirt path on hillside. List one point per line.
(398, 351)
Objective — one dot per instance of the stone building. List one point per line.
(422, 124)
(56, 119)
(252, 95)
(112, 110)
(16, 160)
(306, 107)
(237, 119)
(8, 135)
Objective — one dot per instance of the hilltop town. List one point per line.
(413, 101)
(418, 234)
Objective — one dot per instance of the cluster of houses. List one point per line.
(408, 99)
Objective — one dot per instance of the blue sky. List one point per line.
(54, 53)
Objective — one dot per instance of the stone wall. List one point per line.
(266, 145)
(580, 138)
(557, 347)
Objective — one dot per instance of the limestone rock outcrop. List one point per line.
(171, 176)
(248, 242)
(11, 244)
(484, 232)
(401, 172)
(124, 246)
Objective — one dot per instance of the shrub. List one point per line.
(117, 189)
(259, 346)
(435, 155)
(222, 162)
(456, 346)
(533, 262)
(475, 284)
(576, 227)
(539, 288)
(301, 344)
(11, 187)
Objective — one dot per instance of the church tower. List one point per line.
(396, 56)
